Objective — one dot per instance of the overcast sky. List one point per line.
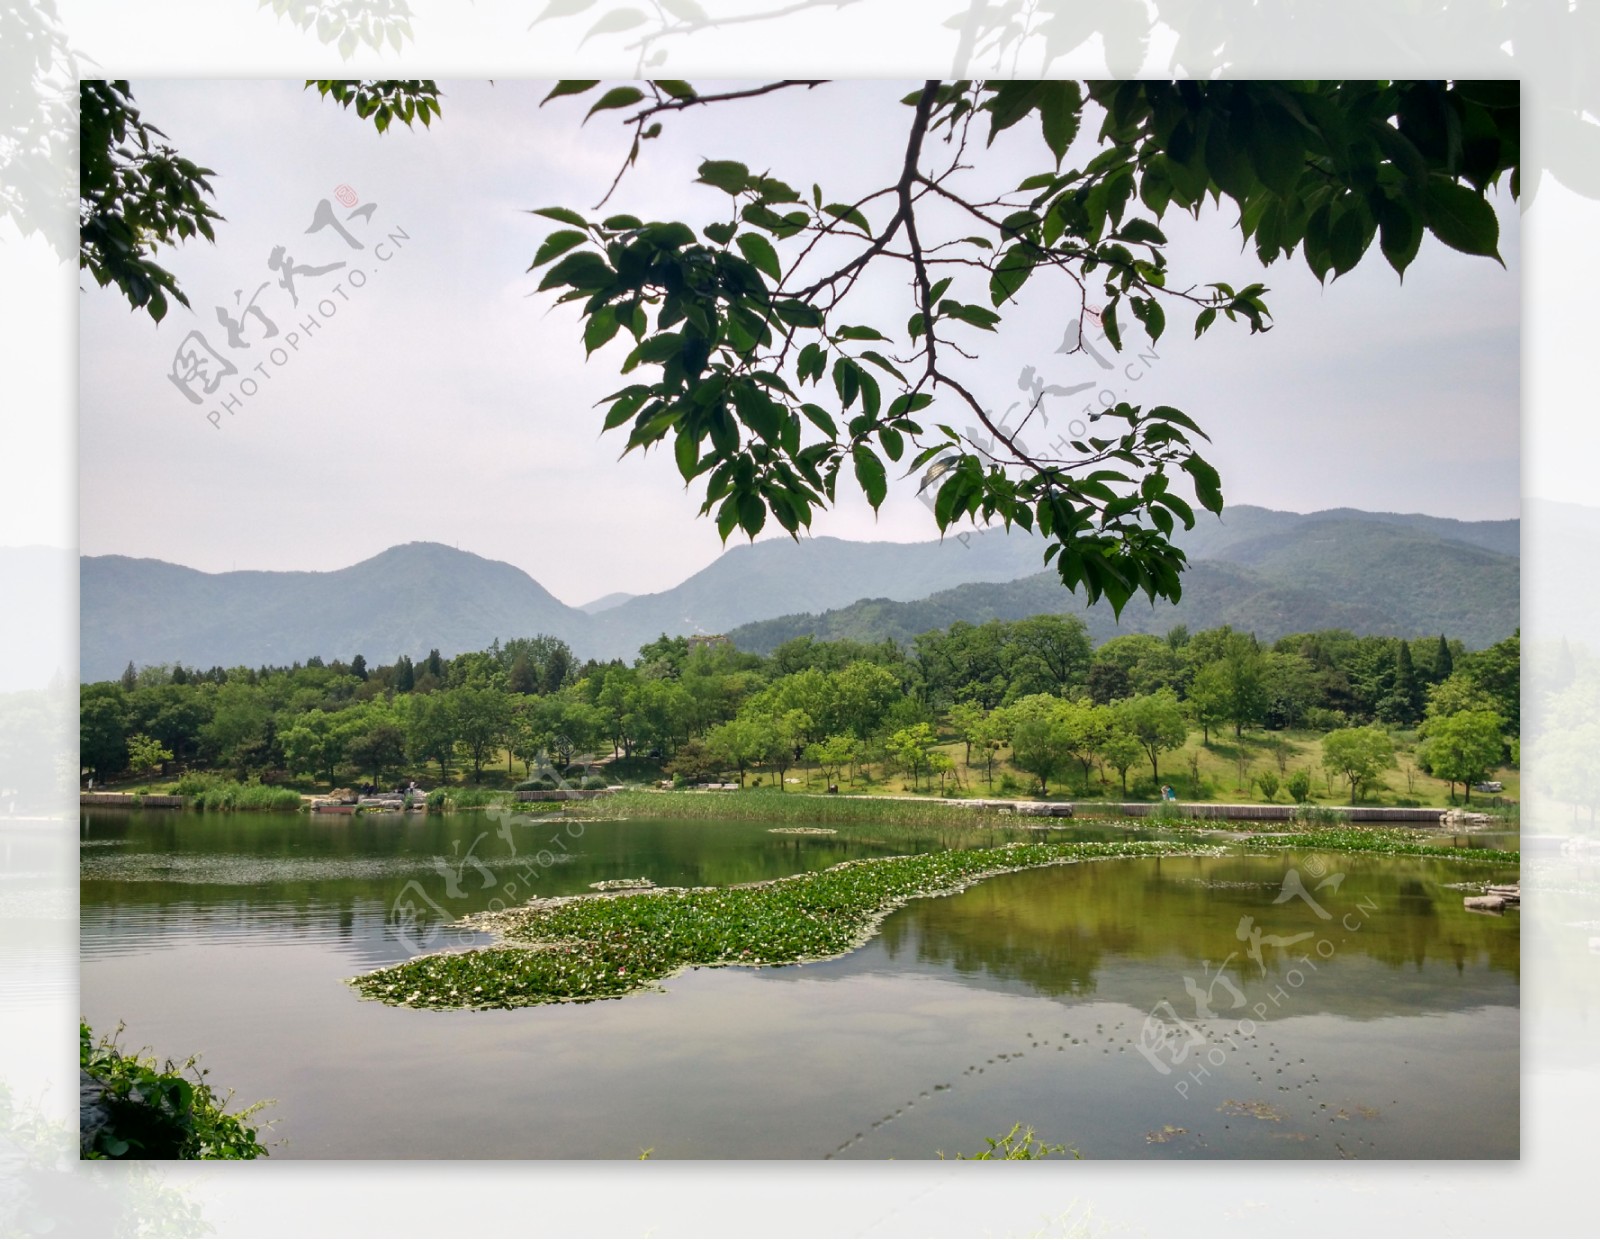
(444, 400)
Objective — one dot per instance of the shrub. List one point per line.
(539, 783)
(1299, 786)
(211, 792)
(1268, 780)
(151, 1112)
(1318, 816)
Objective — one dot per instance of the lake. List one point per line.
(1380, 1020)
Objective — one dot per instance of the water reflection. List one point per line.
(1020, 998)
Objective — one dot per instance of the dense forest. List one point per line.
(1035, 694)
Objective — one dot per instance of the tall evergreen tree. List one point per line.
(405, 674)
(1406, 687)
(130, 678)
(1443, 663)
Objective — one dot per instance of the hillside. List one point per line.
(770, 578)
(402, 601)
(1268, 571)
(1370, 577)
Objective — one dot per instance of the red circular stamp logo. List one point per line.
(347, 197)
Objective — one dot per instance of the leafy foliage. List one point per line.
(384, 101)
(583, 948)
(166, 1112)
(728, 326)
(586, 948)
(135, 194)
(1019, 1143)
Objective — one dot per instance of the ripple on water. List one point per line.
(238, 870)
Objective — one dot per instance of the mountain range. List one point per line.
(1271, 572)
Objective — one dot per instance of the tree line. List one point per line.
(1037, 688)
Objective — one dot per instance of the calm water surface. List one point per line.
(1390, 1032)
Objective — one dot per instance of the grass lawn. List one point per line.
(1228, 770)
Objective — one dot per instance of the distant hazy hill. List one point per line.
(605, 603)
(402, 601)
(1367, 576)
(769, 578)
(1270, 571)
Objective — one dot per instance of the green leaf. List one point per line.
(602, 326)
(725, 174)
(977, 316)
(1207, 485)
(759, 251)
(1399, 234)
(821, 419)
(1060, 104)
(870, 474)
(1461, 218)
(569, 86)
(678, 90)
(1277, 148)
(556, 244)
(797, 313)
(860, 333)
(1011, 102)
(562, 215)
(752, 513)
(616, 97)
(1015, 266)
(1141, 230)
(584, 270)
(687, 452)
(883, 363)
(846, 380)
(720, 233)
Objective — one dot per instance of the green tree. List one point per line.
(1121, 749)
(1456, 693)
(103, 729)
(908, 749)
(1208, 699)
(1443, 660)
(314, 743)
(379, 746)
(744, 742)
(431, 730)
(146, 754)
(1048, 654)
(1463, 748)
(1357, 755)
(832, 755)
(1042, 739)
(1299, 786)
(967, 721)
(857, 697)
(1156, 721)
(1268, 780)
